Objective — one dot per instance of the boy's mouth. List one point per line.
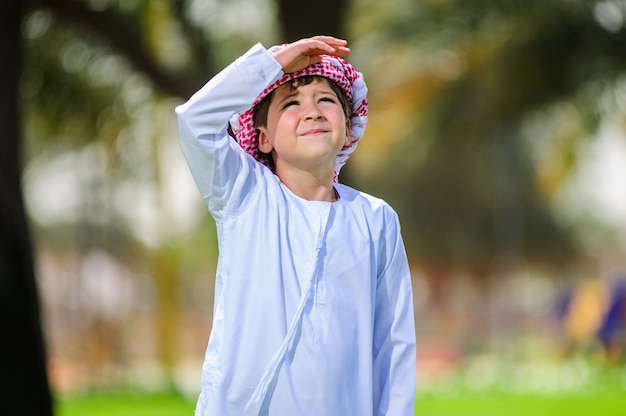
(314, 132)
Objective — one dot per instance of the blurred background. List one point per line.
(497, 130)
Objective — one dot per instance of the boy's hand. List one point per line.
(304, 52)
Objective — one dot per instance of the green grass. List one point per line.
(125, 404)
(464, 404)
(522, 405)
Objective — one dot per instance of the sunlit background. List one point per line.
(497, 130)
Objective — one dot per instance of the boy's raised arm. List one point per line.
(231, 91)
(203, 122)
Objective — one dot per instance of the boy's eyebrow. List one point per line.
(296, 92)
(290, 95)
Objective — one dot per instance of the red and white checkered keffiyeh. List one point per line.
(334, 68)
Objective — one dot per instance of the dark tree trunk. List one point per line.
(303, 19)
(24, 386)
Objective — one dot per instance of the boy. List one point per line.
(313, 311)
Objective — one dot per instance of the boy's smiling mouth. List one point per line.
(314, 132)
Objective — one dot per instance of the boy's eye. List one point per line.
(290, 103)
(328, 99)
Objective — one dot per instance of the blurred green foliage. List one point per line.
(468, 77)
(480, 112)
(463, 172)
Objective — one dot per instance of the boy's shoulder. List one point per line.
(357, 197)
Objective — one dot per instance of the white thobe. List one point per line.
(313, 311)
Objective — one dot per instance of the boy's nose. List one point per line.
(313, 113)
(310, 110)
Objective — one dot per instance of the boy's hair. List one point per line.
(262, 108)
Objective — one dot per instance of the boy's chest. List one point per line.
(330, 238)
(292, 243)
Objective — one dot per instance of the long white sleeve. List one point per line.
(215, 160)
(394, 331)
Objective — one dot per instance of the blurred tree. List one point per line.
(461, 171)
(65, 101)
(23, 383)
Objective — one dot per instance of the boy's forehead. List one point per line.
(288, 87)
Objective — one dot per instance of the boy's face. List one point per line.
(306, 127)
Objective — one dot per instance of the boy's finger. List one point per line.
(331, 40)
(342, 51)
(318, 47)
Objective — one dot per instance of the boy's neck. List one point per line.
(308, 186)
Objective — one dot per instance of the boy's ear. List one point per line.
(264, 144)
(347, 142)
